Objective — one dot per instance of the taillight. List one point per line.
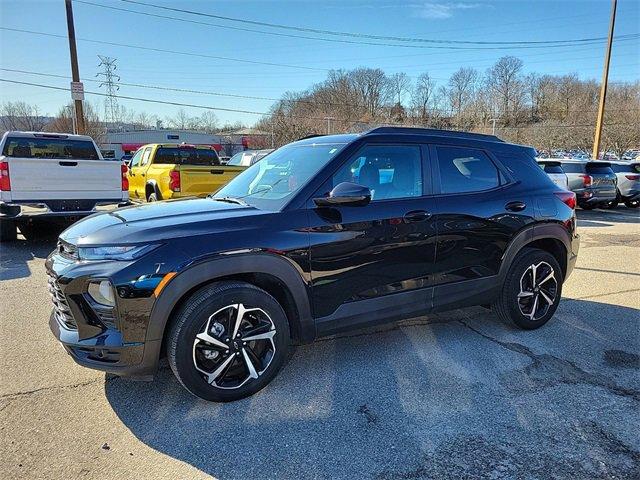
(5, 181)
(568, 198)
(587, 180)
(174, 180)
(632, 177)
(124, 171)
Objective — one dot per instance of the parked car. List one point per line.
(593, 182)
(300, 246)
(249, 157)
(628, 185)
(59, 176)
(160, 171)
(553, 168)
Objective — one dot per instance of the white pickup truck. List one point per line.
(55, 175)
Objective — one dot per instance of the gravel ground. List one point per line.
(446, 396)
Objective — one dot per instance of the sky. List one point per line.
(246, 67)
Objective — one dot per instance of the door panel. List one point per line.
(474, 227)
(386, 247)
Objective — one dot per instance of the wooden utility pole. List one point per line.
(605, 80)
(75, 72)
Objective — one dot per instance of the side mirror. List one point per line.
(347, 194)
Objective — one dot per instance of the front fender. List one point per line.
(206, 271)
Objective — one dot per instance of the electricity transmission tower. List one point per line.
(110, 79)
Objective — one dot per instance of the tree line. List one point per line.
(546, 111)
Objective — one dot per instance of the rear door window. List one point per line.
(595, 169)
(573, 167)
(53, 148)
(187, 156)
(466, 170)
(552, 168)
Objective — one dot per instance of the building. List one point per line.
(117, 144)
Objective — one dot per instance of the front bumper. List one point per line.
(115, 342)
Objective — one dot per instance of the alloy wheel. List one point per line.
(236, 345)
(538, 290)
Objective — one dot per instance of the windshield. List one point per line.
(236, 159)
(273, 181)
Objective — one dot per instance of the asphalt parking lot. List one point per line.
(446, 396)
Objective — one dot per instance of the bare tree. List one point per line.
(423, 93)
(208, 122)
(461, 89)
(400, 84)
(63, 122)
(503, 80)
(370, 85)
(21, 116)
(180, 120)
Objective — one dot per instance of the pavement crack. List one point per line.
(546, 370)
(26, 393)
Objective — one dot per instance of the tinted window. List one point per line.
(54, 148)
(604, 169)
(573, 167)
(552, 168)
(186, 156)
(466, 170)
(389, 171)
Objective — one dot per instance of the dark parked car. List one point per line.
(323, 235)
(593, 182)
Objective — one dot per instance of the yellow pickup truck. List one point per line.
(160, 171)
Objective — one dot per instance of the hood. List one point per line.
(160, 221)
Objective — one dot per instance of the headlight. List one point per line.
(114, 252)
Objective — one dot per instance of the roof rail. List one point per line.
(435, 132)
(313, 135)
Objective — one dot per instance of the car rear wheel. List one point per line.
(228, 341)
(531, 290)
(153, 197)
(613, 203)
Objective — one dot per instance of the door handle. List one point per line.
(417, 216)
(217, 172)
(515, 206)
(68, 164)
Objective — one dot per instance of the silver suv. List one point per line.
(593, 182)
(628, 175)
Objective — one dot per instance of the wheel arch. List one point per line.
(552, 238)
(152, 187)
(272, 273)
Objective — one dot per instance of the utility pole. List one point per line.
(75, 72)
(493, 128)
(328, 119)
(111, 113)
(605, 80)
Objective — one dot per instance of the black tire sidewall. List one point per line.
(511, 287)
(152, 197)
(191, 319)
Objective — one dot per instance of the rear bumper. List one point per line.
(630, 195)
(54, 208)
(590, 197)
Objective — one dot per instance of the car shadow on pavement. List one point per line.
(606, 218)
(449, 396)
(15, 256)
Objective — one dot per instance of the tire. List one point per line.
(8, 231)
(613, 203)
(632, 203)
(511, 307)
(210, 313)
(153, 197)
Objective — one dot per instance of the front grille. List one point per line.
(60, 306)
(67, 250)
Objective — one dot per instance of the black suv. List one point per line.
(325, 234)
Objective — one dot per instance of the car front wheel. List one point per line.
(531, 290)
(228, 341)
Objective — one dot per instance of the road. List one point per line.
(445, 396)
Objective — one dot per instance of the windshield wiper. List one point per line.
(237, 201)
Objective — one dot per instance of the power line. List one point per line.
(250, 112)
(246, 97)
(160, 50)
(361, 35)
